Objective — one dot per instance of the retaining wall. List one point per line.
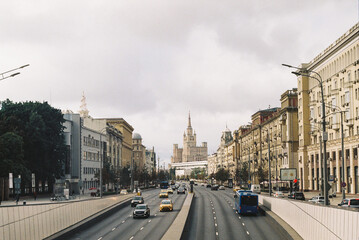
(313, 221)
(43, 220)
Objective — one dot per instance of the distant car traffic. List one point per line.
(169, 191)
(181, 190)
(137, 200)
(279, 194)
(296, 195)
(214, 187)
(123, 191)
(221, 188)
(141, 210)
(208, 185)
(317, 199)
(166, 205)
(236, 188)
(350, 202)
(163, 193)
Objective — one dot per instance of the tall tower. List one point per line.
(84, 112)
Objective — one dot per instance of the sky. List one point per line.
(152, 62)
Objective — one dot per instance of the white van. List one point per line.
(256, 188)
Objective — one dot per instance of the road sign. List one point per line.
(288, 174)
(295, 180)
(249, 181)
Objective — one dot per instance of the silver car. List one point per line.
(317, 199)
(141, 210)
(350, 202)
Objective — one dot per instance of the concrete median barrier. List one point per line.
(174, 232)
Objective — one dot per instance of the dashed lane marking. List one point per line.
(239, 217)
(215, 224)
(141, 228)
(243, 224)
(214, 217)
(149, 220)
(113, 229)
(123, 221)
(131, 238)
(247, 232)
(99, 238)
(217, 233)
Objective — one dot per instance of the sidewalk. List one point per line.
(333, 201)
(43, 200)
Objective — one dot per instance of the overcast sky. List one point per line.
(151, 62)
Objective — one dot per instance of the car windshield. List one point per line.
(141, 207)
(249, 200)
(137, 198)
(166, 202)
(354, 202)
(164, 191)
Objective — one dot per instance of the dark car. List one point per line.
(214, 187)
(208, 185)
(350, 202)
(296, 195)
(137, 200)
(141, 210)
(181, 190)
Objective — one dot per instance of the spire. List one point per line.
(84, 112)
(189, 119)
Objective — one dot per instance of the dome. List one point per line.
(136, 136)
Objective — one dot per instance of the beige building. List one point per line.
(126, 129)
(212, 164)
(190, 151)
(139, 152)
(338, 67)
(272, 131)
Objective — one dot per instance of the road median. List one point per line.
(175, 231)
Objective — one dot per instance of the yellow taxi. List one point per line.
(236, 188)
(164, 193)
(169, 191)
(166, 205)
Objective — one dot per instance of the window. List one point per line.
(347, 114)
(335, 84)
(347, 97)
(312, 113)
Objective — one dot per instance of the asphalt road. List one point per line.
(121, 225)
(213, 216)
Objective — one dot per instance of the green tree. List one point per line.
(262, 175)
(222, 174)
(40, 127)
(243, 173)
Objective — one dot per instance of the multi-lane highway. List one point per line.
(213, 216)
(121, 225)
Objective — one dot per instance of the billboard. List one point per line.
(288, 174)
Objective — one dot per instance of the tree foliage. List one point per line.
(37, 129)
(243, 173)
(222, 175)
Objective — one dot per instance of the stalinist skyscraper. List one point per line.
(190, 152)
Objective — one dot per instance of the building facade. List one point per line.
(139, 152)
(338, 70)
(190, 151)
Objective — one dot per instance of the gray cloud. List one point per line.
(153, 61)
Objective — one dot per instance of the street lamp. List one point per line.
(305, 73)
(101, 131)
(4, 76)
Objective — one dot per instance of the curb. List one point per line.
(88, 222)
(175, 231)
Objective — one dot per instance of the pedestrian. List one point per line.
(35, 195)
(17, 198)
(83, 191)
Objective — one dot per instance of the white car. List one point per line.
(279, 194)
(123, 191)
(317, 199)
(221, 188)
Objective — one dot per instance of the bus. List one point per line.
(246, 202)
(164, 184)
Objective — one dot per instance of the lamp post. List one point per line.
(4, 74)
(102, 131)
(305, 73)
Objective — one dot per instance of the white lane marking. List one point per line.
(99, 238)
(141, 228)
(247, 232)
(113, 229)
(214, 217)
(243, 224)
(239, 217)
(131, 238)
(155, 215)
(215, 224)
(149, 220)
(217, 233)
(123, 221)
(214, 212)
(130, 215)
(234, 209)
